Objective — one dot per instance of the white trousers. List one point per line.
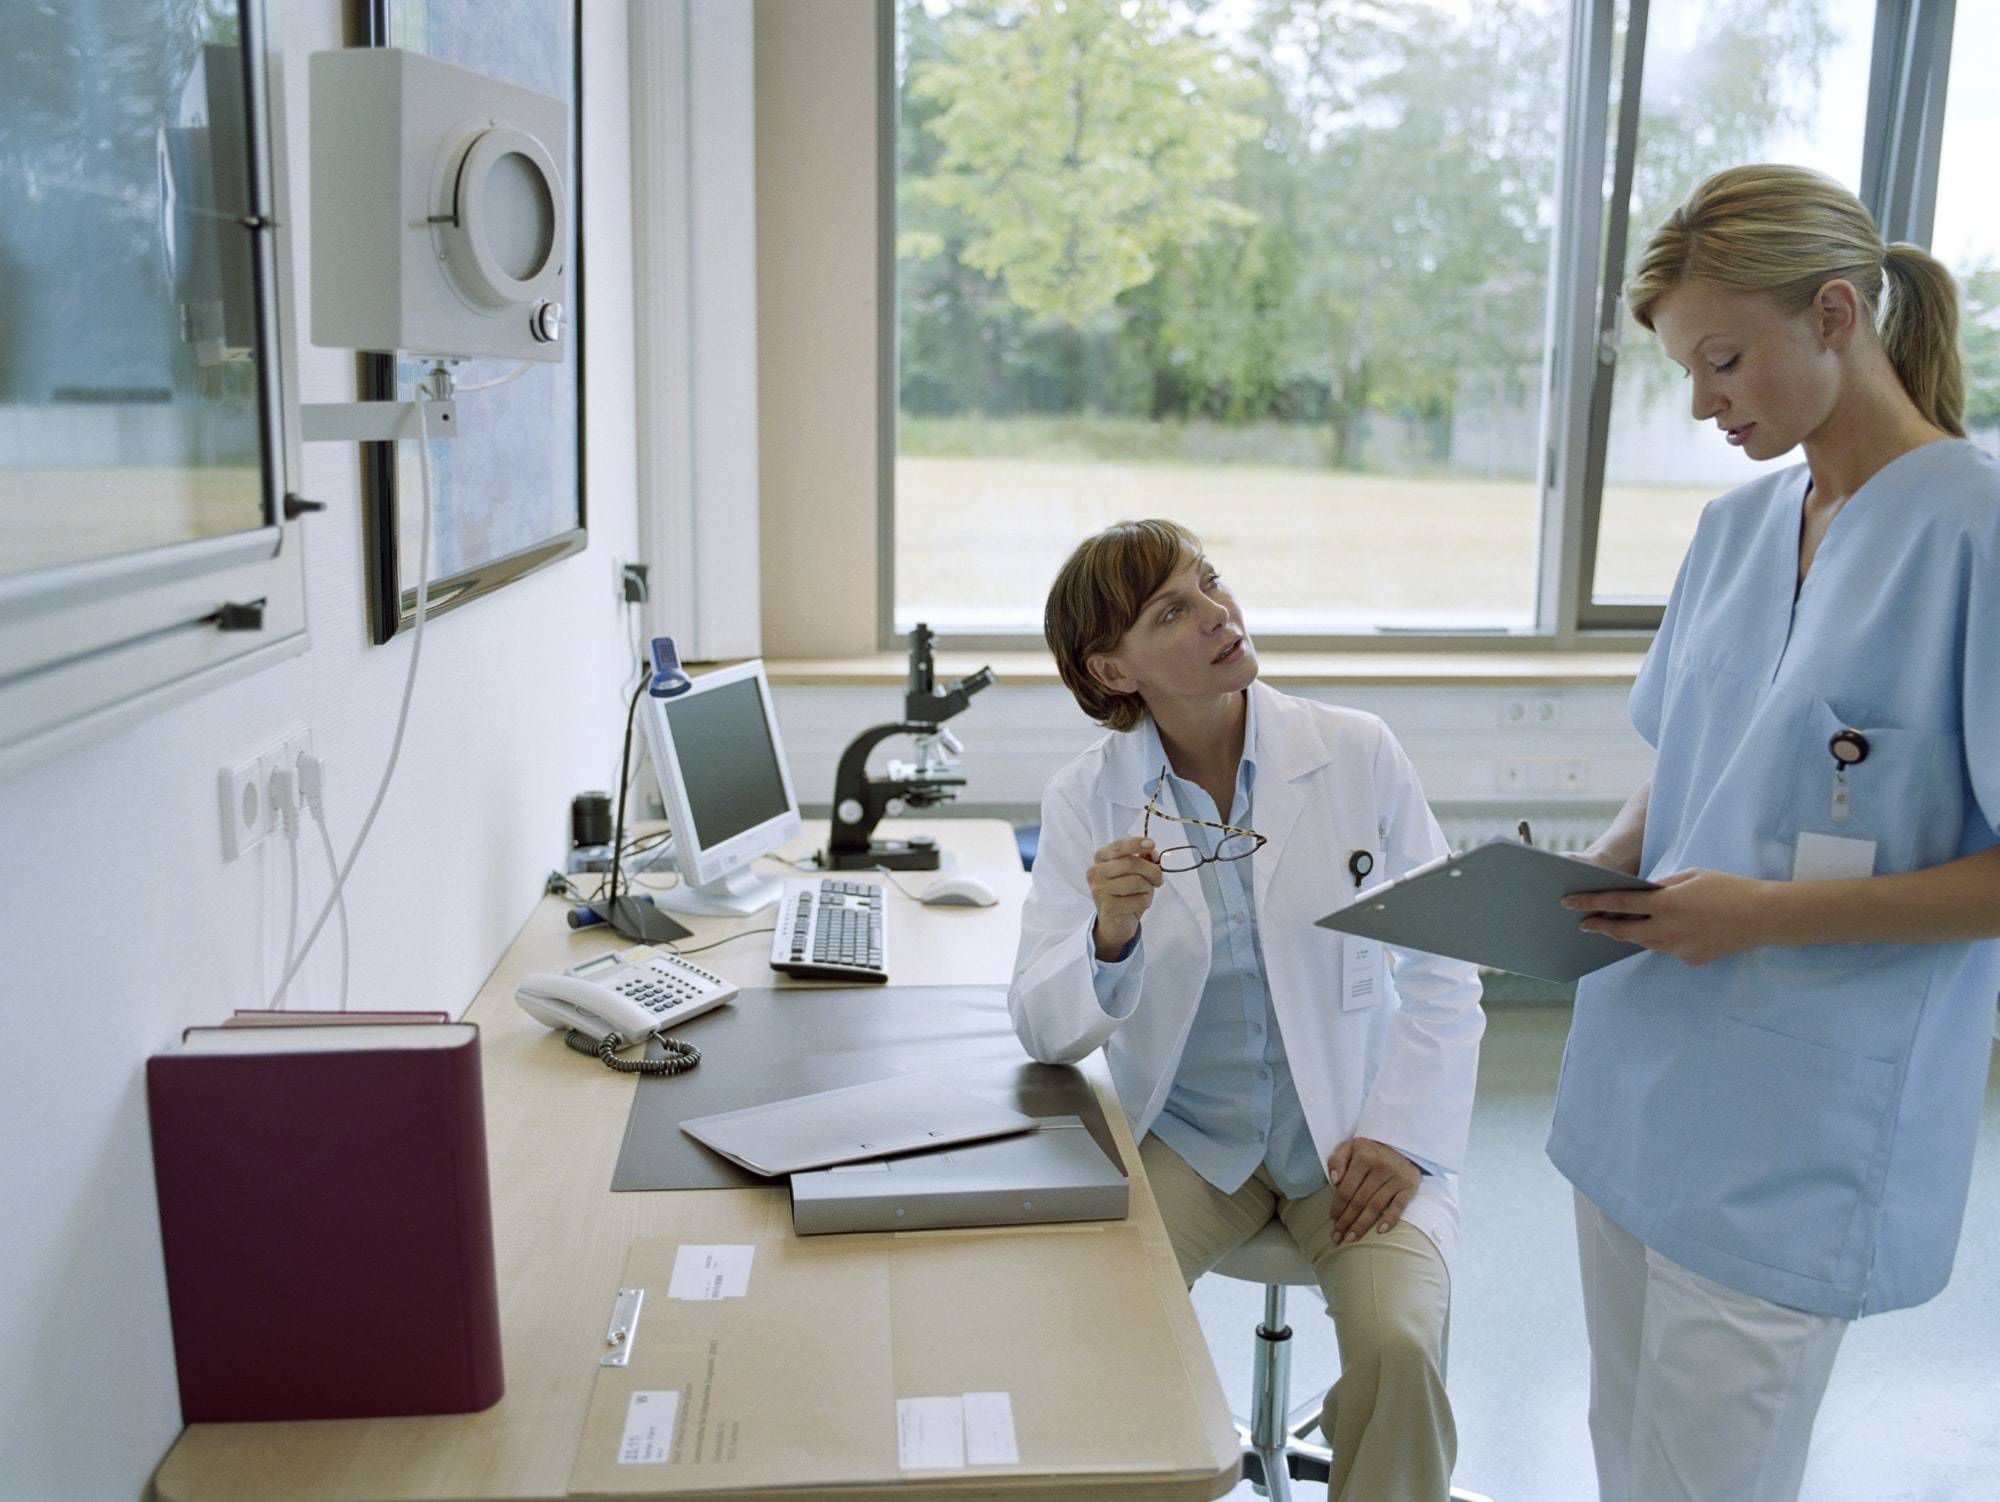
(1698, 1393)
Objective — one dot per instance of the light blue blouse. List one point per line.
(1798, 1122)
(1232, 1104)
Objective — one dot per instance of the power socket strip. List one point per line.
(248, 814)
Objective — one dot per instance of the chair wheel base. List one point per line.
(1302, 1462)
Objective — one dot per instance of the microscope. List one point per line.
(860, 801)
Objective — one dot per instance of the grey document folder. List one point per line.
(797, 1040)
(1053, 1173)
(901, 1114)
(1499, 906)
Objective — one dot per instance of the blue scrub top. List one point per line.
(1797, 1122)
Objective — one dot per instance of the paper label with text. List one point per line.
(989, 1429)
(1361, 972)
(930, 1433)
(950, 1433)
(711, 1272)
(649, 1428)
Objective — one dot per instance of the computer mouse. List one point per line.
(958, 891)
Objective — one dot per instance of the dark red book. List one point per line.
(327, 1221)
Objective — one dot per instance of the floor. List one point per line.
(1913, 1413)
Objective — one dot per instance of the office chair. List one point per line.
(1276, 1451)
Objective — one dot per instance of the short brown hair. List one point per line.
(1097, 597)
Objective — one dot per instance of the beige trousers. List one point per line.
(1387, 1419)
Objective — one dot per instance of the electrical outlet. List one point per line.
(1516, 775)
(243, 813)
(248, 814)
(1570, 775)
(1531, 709)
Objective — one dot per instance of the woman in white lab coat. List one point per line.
(1271, 1069)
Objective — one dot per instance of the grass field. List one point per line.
(979, 538)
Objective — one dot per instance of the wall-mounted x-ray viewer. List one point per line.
(440, 221)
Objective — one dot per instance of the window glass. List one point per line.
(1724, 83)
(1966, 231)
(128, 393)
(1276, 269)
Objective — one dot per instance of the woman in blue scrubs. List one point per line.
(1768, 1115)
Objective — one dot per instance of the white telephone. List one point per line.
(625, 997)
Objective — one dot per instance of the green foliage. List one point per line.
(1345, 210)
(1979, 338)
(1079, 137)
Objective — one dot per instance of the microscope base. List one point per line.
(918, 853)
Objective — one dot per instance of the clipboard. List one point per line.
(1498, 905)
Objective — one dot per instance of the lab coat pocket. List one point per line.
(1788, 1153)
(1895, 796)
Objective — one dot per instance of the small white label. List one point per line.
(1361, 972)
(878, 1166)
(649, 1428)
(948, 1434)
(930, 1433)
(1832, 857)
(989, 1429)
(711, 1272)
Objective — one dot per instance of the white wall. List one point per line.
(1545, 752)
(123, 923)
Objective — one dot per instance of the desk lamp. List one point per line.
(635, 916)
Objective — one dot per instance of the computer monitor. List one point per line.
(727, 790)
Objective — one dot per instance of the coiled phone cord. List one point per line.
(680, 1058)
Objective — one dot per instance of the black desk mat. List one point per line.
(770, 1045)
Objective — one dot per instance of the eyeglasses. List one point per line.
(1234, 845)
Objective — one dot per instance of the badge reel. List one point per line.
(1850, 749)
(1360, 959)
(1828, 857)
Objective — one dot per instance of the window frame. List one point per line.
(88, 646)
(1585, 321)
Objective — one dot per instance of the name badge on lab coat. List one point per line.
(1360, 972)
(1832, 857)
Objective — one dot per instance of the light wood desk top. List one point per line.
(554, 1124)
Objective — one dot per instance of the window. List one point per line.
(1722, 83)
(1278, 272)
(141, 461)
(1967, 230)
(1316, 277)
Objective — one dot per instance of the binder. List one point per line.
(1054, 1173)
(326, 1220)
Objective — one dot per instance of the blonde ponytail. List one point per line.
(1788, 231)
(1919, 329)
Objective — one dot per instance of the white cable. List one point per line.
(409, 686)
(283, 793)
(312, 788)
(513, 375)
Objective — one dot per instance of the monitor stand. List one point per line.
(740, 892)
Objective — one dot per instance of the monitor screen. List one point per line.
(728, 764)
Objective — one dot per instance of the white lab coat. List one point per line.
(1330, 781)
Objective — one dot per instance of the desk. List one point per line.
(554, 1123)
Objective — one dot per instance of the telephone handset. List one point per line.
(624, 997)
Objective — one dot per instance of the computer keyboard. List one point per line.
(829, 929)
